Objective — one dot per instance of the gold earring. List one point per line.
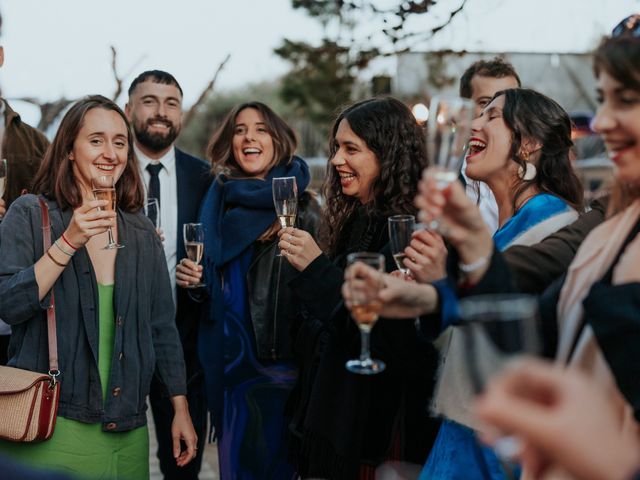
(524, 155)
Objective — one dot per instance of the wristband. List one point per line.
(54, 260)
(57, 244)
(473, 266)
(68, 242)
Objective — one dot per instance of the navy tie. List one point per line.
(154, 182)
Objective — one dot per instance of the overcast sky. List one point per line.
(61, 47)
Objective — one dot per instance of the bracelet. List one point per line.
(54, 260)
(57, 244)
(68, 242)
(473, 266)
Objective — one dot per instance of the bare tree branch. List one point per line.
(49, 111)
(205, 93)
(114, 69)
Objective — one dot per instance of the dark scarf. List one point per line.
(235, 212)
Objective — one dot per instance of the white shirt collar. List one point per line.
(168, 160)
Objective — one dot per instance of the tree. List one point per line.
(323, 77)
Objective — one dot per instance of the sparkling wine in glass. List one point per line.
(285, 200)
(448, 133)
(401, 228)
(364, 311)
(152, 211)
(194, 245)
(104, 188)
(498, 330)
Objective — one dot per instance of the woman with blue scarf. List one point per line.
(245, 339)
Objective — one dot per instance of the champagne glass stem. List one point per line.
(365, 352)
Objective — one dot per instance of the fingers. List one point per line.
(90, 205)
(188, 273)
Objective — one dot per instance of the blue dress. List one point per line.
(457, 454)
(251, 436)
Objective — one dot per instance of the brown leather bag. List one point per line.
(29, 400)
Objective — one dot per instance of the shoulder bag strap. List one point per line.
(51, 309)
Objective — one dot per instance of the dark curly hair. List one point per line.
(391, 132)
(532, 115)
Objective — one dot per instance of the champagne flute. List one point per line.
(194, 245)
(364, 312)
(285, 201)
(497, 330)
(401, 228)
(104, 188)
(448, 133)
(152, 211)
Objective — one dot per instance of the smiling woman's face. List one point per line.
(618, 121)
(252, 143)
(101, 147)
(357, 166)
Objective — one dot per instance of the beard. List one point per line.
(156, 142)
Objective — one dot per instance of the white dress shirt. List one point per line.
(168, 205)
(486, 202)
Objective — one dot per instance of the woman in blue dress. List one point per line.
(245, 341)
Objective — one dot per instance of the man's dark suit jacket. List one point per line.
(193, 178)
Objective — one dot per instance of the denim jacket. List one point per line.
(146, 339)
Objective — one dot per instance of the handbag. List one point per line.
(29, 400)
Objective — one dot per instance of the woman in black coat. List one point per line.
(344, 425)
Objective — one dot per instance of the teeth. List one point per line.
(106, 167)
(477, 144)
(250, 150)
(346, 175)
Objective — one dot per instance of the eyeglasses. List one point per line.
(629, 27)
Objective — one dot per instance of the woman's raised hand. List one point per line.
(188, 273)
(88, 220)
(298, 247)
(460, 219)
(426, 256)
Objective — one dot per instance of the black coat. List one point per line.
(340, 420)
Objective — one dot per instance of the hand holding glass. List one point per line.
(194, 245)
(364, 311)
(285, 200)
(104, 188)
(448, 133)
(498, 329)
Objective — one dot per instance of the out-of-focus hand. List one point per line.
(3, 208)
(160, 233)
(460, 220)
(426, 256)
(399, 298)
(298, 247)
(182, 431)
(87, 221)
(563, 418)
(188, 273)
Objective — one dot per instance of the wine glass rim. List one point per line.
(401, 218)
(504, 306)
(282, 178)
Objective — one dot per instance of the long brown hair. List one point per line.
(55, 178)
(391, 132)
(220, 149)
(620, 58)
(531, 115)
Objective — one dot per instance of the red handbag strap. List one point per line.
(51, 309)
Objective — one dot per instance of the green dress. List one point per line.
(83, 449)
